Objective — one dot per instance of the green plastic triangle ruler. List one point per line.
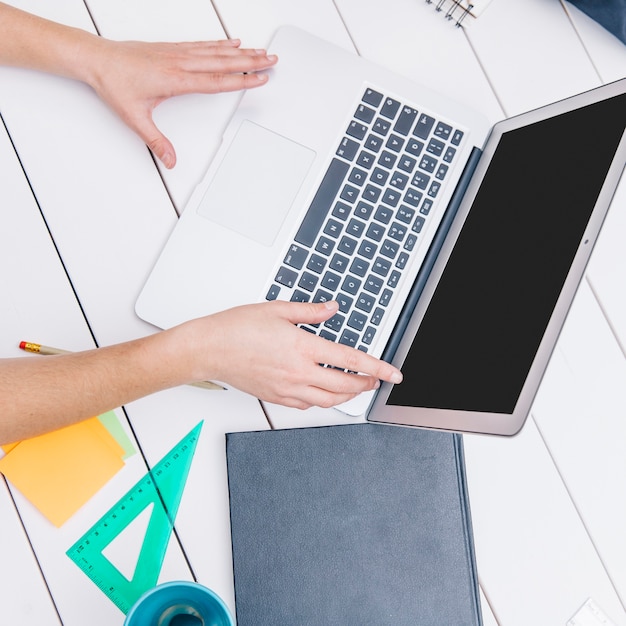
(162, 489)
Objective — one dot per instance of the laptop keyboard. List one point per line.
(367, 217)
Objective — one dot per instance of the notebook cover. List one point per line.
(354, 524)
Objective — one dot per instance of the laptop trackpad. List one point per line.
(256, 183)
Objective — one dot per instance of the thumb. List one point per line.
(158, 143)
(311, 312)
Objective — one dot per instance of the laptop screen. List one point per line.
(491, 307)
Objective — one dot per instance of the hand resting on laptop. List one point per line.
(132, 77)
(256, 348)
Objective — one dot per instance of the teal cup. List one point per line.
(179, 603)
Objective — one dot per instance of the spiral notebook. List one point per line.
(461, 12)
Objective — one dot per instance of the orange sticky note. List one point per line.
(60, 471)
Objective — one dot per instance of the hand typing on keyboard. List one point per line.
(259, 349)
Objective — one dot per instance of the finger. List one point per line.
(307, 312)
(158, 143)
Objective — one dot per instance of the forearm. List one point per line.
(32, 42)
(38, 394)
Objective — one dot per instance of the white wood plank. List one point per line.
(607, 266)
(411, 38)
(536, 563)
(581, 411)
(256, 22)
(531, 53)
(606, 51)
(193, 123)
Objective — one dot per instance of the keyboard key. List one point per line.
(377, 316)
(316, 263)
(349, 338)
(357, 321)
(379, 176)
(399, 180)
(383, 214)
(359, 266)
(364, 113)
(428, 164)
(394, 279)
(441, 172)
(457, 137)
(335, 322)
(413, 197)
(435, 186)
(407, 163)
(372, 97)
(356, 130)
(375, 231)
(410, 242)
(423, 126)
(272, 292)
(402, 260)
(373, 143)
(387, 159)
(405, 214)
(349, 193)
(371, 193)
(435, 147)
(296, 257)
(331, 281)
(347, 245)
(355, 228)
(368, 335)
(381, 266)
(418, 224)
(347, 148)
(357, 176)
(363, 210)
(449, 155)
(385, 298)
(381, 127)
(373, 284)
(420, 180)
(443, 131)
(300, 296)
(322, 296)
(390, 108)
(405, 120)
(308, 281)
(394, 143)
(333, 228)
(351, 285)
(414, 147)
(365, 302)
(367, 249)
(391, 197)
(324, 246)
(286, 277)
(397, 231)
(323, 200)
(341, 210)
(365, 159)
(389, 249)
(339, 263)
(325, 334)
(427, 205)
(345, 302)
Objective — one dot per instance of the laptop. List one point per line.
(454, 249)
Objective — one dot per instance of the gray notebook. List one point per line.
(351, 525)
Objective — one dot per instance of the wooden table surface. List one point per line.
(85, 212)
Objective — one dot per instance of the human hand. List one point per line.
(134, 77)
(259, 349)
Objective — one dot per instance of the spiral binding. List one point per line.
(454, 10)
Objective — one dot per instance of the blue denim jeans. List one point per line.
(610, 13)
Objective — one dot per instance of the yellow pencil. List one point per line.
(37, 348)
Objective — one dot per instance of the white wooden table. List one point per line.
(84, 212)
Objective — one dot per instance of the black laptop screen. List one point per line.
(487, 317)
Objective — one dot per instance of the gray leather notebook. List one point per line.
(351, 525)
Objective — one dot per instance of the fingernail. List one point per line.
(331, 305)
(168, 160)
(272, 58)
(396, 378)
